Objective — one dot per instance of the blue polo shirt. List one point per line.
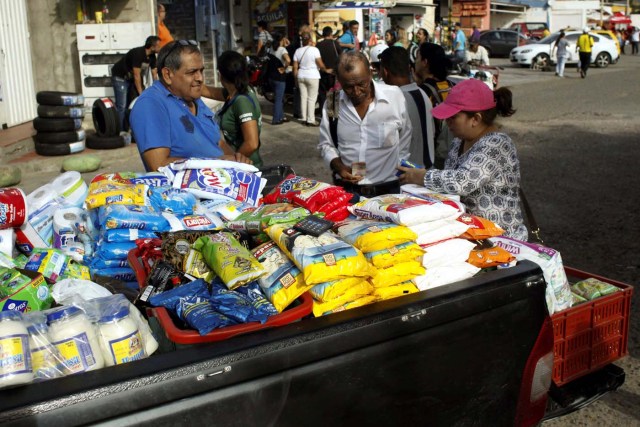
(160, 119)
(347, 38)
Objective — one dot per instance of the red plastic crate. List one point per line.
(590, 335)
(302, 307)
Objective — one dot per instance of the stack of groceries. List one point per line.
(212, 250)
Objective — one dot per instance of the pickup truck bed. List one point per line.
(454, 355)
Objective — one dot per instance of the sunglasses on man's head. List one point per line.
(176, 44)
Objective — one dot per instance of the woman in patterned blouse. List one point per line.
(482, 166)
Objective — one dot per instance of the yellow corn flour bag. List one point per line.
(360, 290)
(331, 290)
(321, 259)
(397, 274)
(367, 299)
(283, 282)
(370, 236)
(388, 292)
(394, 255)
(231, 261)
(115, 193)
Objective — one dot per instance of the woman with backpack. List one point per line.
(483, 166)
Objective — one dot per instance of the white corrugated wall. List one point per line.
(18, 93)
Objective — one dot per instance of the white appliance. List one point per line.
(102, 45)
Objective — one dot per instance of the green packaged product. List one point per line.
(256, 221)
(602, 287)
(11, 280)
(34, 295)
(586, 290)
(231, 261)
(577, 299)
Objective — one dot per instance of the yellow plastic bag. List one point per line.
(396, 274)
(370, 236)
(321, 259)
(395, 255)
(368, 299)
(331, 290)
(114, 193)
(360, 290)
(388, 292)
(283, 282)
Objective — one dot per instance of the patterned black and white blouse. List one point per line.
(487, 179)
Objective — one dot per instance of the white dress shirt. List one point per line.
(380, 140)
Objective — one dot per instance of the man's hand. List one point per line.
(344, 171)
(237, 157)
(412, 175)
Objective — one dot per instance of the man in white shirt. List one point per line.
(395, 71)
(365, 130)
(477, 55)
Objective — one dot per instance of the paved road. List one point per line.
(578, 145)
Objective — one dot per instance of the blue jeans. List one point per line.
(278, 103)
(121, 92)
(561, 61)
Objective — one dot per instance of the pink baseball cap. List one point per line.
(468, 95)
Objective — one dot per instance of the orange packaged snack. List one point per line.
(489, 257)
(479, 228)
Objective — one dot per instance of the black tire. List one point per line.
(603, 60)
(60, 137)
(59, 98)
(105, 117)
(56, 125)
(59, 149)
(540, 62)
(60, 112)
(98, 142)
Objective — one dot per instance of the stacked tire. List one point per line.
(108, 134)
(59, 123)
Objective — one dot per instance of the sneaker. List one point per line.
(314, 124)
(583, 74)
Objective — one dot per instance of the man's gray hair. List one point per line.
(170, 56)
(348, 60)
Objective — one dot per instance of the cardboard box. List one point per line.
(34, 296)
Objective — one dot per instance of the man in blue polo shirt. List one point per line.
(169, 120)
(349, 40)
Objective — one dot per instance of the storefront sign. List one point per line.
(358, 4)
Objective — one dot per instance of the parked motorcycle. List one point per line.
(258, 78)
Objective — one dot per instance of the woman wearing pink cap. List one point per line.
(482, 166)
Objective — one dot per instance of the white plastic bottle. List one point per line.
(75, 337)
(45, 358)
(150, 342)
(15, 357)
(120, 338)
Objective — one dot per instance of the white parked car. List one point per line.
(538, 55)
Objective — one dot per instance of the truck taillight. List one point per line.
(536, 379)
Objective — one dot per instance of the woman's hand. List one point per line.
(237, 157)
(412, 175)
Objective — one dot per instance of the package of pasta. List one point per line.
(388, 292)
(367, 299)
(195, 266)
(395, 255)
(173, 200)
(232, 262)
(397, 274)
(129, 216)
(316, 196)
(176, 245)
(486, 257)
(257, 220)
(114, 193)
(226, 183)
(360, 290)
(371, 236)
(403, 209)
(321, 259)
(331, 290)
(283, 283)
(479, 228)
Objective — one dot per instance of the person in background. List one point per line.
(163, 32)
(295, 44)
(265, 40)
(169, 120)
(546, 32)
(437, 34)
(482, 167)
(372, 131)
(278, 79)
(349, 40)
(329, 52)
(635, 40)
(475, 35)
(374, 61)
(422, 36)
(459, 42)
(126, 74)
(395, 71)
(477, 55)
(239, 118)
(307, 64)
(560, 47)
(391, 38)
(583, 47)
